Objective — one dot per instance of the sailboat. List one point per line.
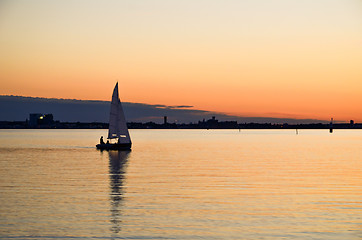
(117, 127)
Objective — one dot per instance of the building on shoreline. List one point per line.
(39, 120)
(46, 121)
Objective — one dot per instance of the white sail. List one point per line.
(117, 122)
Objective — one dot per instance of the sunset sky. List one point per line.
(266, 58)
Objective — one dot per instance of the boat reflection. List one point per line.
(117, 164)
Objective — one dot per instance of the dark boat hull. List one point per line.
(115, 146)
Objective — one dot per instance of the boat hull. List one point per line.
(115, 146)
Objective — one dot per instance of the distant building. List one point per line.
(209, 124)
(212, 123)
(40, 120)
(165, 120)
(33, 119)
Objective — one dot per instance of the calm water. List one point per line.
(182, 184)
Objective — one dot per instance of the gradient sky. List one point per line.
(269, 58)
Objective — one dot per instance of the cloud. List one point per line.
(181, 107)
(18, 108)
(172, 107)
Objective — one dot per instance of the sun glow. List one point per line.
(287, 58)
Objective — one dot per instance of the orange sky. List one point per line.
(282, 58)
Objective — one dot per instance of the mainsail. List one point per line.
(117, 122)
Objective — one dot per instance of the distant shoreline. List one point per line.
(200, 125)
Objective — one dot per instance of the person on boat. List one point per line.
(101, 140)
(107, 141)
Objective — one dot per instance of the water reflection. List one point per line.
(117, 165)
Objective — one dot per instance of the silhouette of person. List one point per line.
(101, 140)
(107, 141)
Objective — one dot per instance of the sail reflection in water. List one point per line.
(117, 164)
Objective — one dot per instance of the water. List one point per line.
(182, 184)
